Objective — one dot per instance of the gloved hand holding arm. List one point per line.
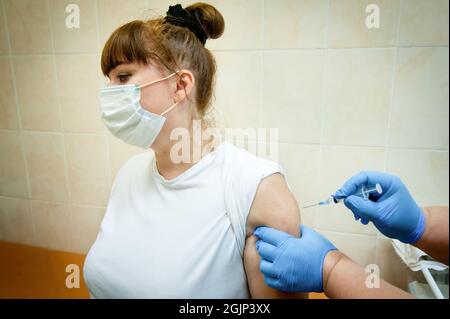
(290, 263)
(395, 213)
(311, 263)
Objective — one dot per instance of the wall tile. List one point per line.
(392, 269)
(4, 46)
(243, 25)
(337, 165)
(114, 13)
(420, 107)
(357, 96)
(8, 106)
(37, 93)
(87, 168)
(348, 24)
(292, 94)
(301, 165)
(295, 23)
(82, 39)
(360, 248)
(158, 8)
(85, 227)
(13, 180)
(425, 173)
(1, 226)
(238, 92)
(46, 168)
(243, 21)
(120, 152)
(16, 220)
(29, 26)
(52, 225)
(424, 22)
(80, 103)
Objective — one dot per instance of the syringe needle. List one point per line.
(363, 193)
(309, 206)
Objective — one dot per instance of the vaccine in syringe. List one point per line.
(362, 193)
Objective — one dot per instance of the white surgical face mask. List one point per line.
(126, 119)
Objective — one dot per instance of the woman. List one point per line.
(170, 229)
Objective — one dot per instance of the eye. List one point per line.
(123, 78)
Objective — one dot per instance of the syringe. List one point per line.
(362, 193)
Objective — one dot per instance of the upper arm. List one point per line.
(273, 206)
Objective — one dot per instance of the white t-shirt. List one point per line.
(174, 238)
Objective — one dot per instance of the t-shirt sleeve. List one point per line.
(243, 172)
(252, 171)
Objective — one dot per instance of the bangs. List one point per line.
(125, 45)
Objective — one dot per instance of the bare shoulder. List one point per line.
(274, 206)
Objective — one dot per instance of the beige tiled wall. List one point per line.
(345, 98)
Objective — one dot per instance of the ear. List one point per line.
(185, 84)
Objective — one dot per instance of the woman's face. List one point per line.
(160, 96)
(155, 98)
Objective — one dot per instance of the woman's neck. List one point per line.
(170, 168)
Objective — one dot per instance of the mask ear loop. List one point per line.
(170, 109)
(160, 80)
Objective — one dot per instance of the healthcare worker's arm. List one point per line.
(274, 206)
(311, 263)
(434, 240)
(345, 279)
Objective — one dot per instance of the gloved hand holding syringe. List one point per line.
(390, 206)
(364, 193)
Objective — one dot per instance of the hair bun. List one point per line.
(209, 19)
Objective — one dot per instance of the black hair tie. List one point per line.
(181, 17)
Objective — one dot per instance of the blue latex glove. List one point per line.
(290, 263)
(394, 212)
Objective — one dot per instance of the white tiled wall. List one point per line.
(344, 97)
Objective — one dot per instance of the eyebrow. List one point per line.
(115, 68)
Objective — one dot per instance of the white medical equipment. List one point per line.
(417, 260)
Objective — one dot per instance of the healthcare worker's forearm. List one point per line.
(434, 240)
(345, 279)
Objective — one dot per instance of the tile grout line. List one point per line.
(54, 202)
(391, 104)
(403, 148)
(56, 132)
(351, 253)
(374, 236)
(107, 139)
(393, 79)
(19, 118)
(444, 46)
(29, 55)
(97, 25)
(322, 105)
(262, 69)
(61, 121)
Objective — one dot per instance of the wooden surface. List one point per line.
(31, 272)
